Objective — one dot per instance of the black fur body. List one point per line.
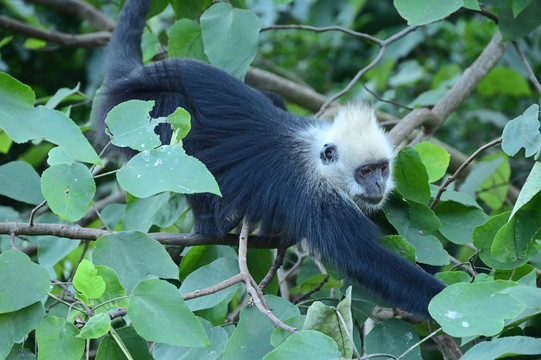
(262, 160)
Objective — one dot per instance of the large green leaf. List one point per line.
(326, 319)
(465, 309)
(230, 37)
(523, 132)
(185, 40)
(393, 337)
(57, 339)
(68, 188)
(19, 181)
(16, 325)
(208, 275)
(130, 125)
(435, 158)
(306, 344)
(411, 177)
(217, 337)
(136, 345)
(23, 282)
(159, 314)
(421, 12)
(250, 340)
(135, 257)
(504, 347)
(87, 282)
(515, 25)
(167, 168)
(459, 221)
(22, 122)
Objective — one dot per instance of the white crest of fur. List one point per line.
(359, 140)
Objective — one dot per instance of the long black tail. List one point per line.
(124, 51)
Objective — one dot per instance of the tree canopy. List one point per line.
(97, 260)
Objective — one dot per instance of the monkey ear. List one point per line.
(328, 154)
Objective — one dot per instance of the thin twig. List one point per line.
(460, 169)
(214, 288)
(278, 261)
(386, 101)
(33, 212)
(251, 286)
(314, 290)
(527, 66)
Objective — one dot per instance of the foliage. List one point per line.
(135, 286)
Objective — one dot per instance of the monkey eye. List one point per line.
(328, 153)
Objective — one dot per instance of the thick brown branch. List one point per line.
(81, 9)
(74, 232)
(91, 40)
(456, 95)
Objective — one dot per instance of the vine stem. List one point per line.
(468, 161)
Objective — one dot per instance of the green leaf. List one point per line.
(60, 95)
(16, 325)
(30, 284)
(411, 177)
(161, 209)
(514, 27)
(166, 169)
(97, 326)
(88, 282)
(113, 290)
(190, 9)
(459, 221)
(399, 245)
(313, 281)
(523, 132)
(513, 240)
(57, 339)
(52, 249)
(129, 124)
(230, 37)
(326, 320)
(306, 344)
(479, 175)
(504, 347)
(493, 191)
(68, 188)
(201, 255)
(159, 314)
(259, 263)
(136, 345)
(250, 339)
(531, 188)
(185, 40)
(57, 156)
(19, 181)
(414, 222)
(393, 337)
(135, 257)
(150, 44)
(453, 277)
(217, 337)
(421, 12)
(20, 353)
(435, 159)
(279, 335)
(22, 122)
(504, 81)
(208, 275)
(466, 309)
(180, 120)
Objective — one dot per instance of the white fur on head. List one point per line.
(359, 140)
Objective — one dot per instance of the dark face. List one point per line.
(373, 178)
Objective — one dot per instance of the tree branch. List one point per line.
(74, 232)
(432, 119)
(91, 40)
(81, 9)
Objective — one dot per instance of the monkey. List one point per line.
(298, 177)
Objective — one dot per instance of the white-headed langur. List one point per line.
(299, 177)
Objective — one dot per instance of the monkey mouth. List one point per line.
(368, 199)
